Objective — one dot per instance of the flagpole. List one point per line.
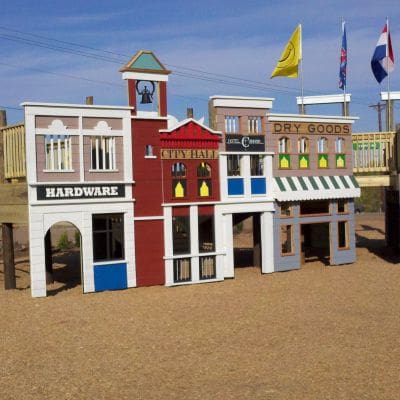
(389, 125)
(301, 70)
(345, 84)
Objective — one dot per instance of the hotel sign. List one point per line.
(307, 128)
(244, 143)
(70, 192)
(184, 154)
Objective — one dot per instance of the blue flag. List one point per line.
(343, 59)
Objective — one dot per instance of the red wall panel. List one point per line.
(149, 244)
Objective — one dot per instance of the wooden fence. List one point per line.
(14, 151)
(373, 152)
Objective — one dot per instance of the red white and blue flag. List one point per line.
(382, 62)
(343, 59)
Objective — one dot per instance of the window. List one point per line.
(181, 235)
(254, 124)
(231, 124)
(178, 172)
(343, 236)
(103, 153)
(149, 151)
(303, 145)
(340, 157)
(284, 149)
(322, 146)
(339, 145)
(206, 234)
(204, 180)
(303, 149)
(284, 145)
(257, 165)
(58, 150)
(286, 239)
(108, 237)
(234, 164)
(286, 210)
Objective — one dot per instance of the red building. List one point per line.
(147, 81)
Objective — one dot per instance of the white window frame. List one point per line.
(231, 123)
(55, 160)
(254, 124)
(339, 145)
(100, 145)
(283, 145)
(322, 145)
(303, 145)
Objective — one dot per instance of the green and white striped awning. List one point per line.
(292, 188)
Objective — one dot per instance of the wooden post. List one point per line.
(8, 256)
(6, 228)
(302, 109)
(389, 115)
(345, 109)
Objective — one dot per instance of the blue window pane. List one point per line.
(235, 187)
(258, 186)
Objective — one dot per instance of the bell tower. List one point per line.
(147, 83)
(147, 95)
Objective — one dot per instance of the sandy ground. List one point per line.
(317, 333)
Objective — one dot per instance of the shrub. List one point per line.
(63, 242)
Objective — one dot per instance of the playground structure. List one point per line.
(375, 164)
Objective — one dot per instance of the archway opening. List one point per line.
(63, 242)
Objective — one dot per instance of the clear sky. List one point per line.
(213, 48)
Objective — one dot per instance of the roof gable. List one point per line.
(145, 61)
(190, 134)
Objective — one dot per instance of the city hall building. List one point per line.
(157, 201)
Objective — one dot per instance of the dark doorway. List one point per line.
(63, 257)
(247, 240)
(315, 243)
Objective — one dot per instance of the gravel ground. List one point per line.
(317, 333)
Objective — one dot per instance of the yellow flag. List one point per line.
(288, 64)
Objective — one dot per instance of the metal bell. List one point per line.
(146, 96)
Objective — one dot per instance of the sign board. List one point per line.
(310, 128)
(70, 192)
(187, 154)
(244, 143)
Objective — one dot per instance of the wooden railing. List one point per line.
(373, 152)
(14, 151)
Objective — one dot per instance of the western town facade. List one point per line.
(156, 201)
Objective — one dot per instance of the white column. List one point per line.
(129, 236)
(87, 266)
(223, 171)
(37, 255)
(245, 173)
(228, 246)
(168, 246)
(194, 242)
(267, 242)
